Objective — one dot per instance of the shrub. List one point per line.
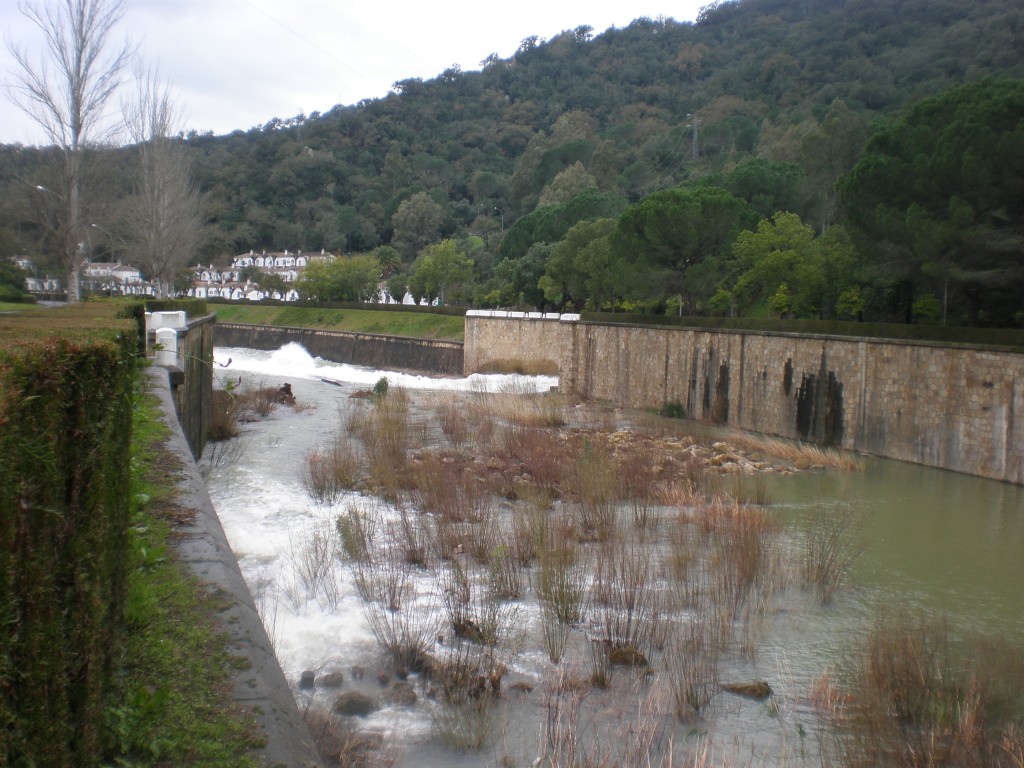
(65, 433)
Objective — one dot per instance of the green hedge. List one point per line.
(66, 388)
(1011, 338)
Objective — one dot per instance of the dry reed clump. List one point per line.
(445, 487)
(313, 555)
(224, 415)
(530, 526)
(746, 553)
(455, 422)
(812, 455)
(341, 746)
(917, 695)
(632, 733)
(387, 432)
(638, 471)
(404, 627)
(357, 528)
(692, 657)
(540, 454)
(262, 401)
(627, 603)
(504, 570)
(831, 545)
(475, 613)
(595, 493)
(561, 580)
(328, 473)
(465, 684)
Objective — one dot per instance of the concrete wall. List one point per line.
(944, 406)
(185, 347)
(259, 687)
(369, 349)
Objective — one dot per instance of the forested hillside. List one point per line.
(768, 103)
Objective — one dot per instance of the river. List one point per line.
(934, 541)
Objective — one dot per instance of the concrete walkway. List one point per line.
(261, 687)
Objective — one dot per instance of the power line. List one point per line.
(307, 41)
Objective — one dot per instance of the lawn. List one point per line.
(423, 325)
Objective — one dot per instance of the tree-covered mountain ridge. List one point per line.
(639, 108)
(829, 158)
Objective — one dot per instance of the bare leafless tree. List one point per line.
(65, 89)
(163, 225)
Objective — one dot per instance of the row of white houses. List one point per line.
(208, 281)
(226, 283)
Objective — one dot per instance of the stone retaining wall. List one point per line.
(945, 406)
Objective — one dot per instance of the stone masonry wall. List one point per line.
(514, 341)
(950, 407)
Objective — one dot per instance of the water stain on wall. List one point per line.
(819, 405)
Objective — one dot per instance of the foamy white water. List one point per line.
(292, 360)
(268, 519)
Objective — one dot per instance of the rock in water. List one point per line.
(354, 703)
(758, 689)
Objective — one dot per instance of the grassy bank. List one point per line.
(421, 325)
(173, 702)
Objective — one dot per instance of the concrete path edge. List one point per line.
(261, 686)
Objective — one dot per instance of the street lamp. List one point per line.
(75, 251)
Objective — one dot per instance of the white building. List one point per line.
(226, 283)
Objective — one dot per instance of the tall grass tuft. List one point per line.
(357, 528)
(830, 548)
(627, 603)
(919, 696)
(329, 472)
(561, 580)
(595, 492)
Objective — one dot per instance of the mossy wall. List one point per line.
(66, 391)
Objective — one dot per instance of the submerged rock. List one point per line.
(400, 694)
(626, 657)
(758, 689)
(354, 703)
(332, 680)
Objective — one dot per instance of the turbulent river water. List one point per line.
(934, 541)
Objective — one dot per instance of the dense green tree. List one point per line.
(939, 194)
(417, 223)
(550, 223)
(784, 264)
(583, 266)
(353, 278)
(770, 186)
(516, 281)
(442, 272)
(12, 281)
(677, 239)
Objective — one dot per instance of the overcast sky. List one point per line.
(235, 64)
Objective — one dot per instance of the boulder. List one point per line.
(332, 680)
(354, 703)
(307, 680)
